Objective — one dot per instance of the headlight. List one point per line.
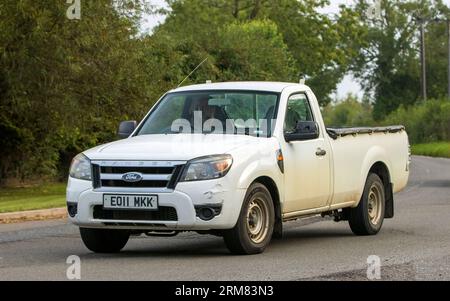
(81, 168)
(207, 168)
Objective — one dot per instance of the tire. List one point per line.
(254, 228)
(368, 217)
(104, 240)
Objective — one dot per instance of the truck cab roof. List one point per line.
(276, 87)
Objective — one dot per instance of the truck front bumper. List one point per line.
(83, 200)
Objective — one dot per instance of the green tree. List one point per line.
(322, 46)
(389, 63)
(66, 83)
(254, 51)
(436, 39)
(348, 113)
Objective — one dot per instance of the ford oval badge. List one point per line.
(132, 177)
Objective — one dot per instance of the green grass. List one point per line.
(437, 149)
(31, 198)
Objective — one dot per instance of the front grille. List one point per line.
(144, 170)
(155, 174)
(141, 184)
(162, 214)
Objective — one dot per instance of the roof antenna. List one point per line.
(302, 80)
(198, 66)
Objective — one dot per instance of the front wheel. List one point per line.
(254, 228)
(104, 240)
(367, 218)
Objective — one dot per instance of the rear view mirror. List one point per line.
(126, 128)
(304, 130)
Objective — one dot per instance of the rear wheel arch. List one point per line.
(367, 218)
(382, 170)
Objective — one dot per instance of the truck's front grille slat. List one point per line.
(96, 176)
(157, 177)
(175, 177)
(151, 174)
(144, 170)
(141, 184)
(162, 214)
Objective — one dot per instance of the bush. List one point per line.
(350, 112)
(424, 122)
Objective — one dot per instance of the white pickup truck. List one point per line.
(235, 160)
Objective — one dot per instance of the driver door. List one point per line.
(307, 163)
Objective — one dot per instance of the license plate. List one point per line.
(130, 201)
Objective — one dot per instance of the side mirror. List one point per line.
(126, 128)
(304, 130)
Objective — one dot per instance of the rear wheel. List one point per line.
(254, 228)
(104, 240)
(367, 218)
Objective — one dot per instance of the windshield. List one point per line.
(213, 112)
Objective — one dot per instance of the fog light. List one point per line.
(72, 209)
(208, 212)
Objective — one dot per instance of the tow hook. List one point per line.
(162, 233)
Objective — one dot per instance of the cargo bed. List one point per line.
(335, 133)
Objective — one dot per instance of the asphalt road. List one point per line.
(413, 245)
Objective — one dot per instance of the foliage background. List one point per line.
(65, 84)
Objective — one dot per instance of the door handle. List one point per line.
(320, 152)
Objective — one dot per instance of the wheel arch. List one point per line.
(382, 170)
(270, 184)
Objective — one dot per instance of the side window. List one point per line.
(298, 109)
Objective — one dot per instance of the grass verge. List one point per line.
(436, 149)
(32, 198)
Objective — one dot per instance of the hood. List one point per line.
(170, 147)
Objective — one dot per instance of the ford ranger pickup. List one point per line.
(236, 160)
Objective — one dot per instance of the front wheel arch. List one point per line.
(254, 228)
(270, 184)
